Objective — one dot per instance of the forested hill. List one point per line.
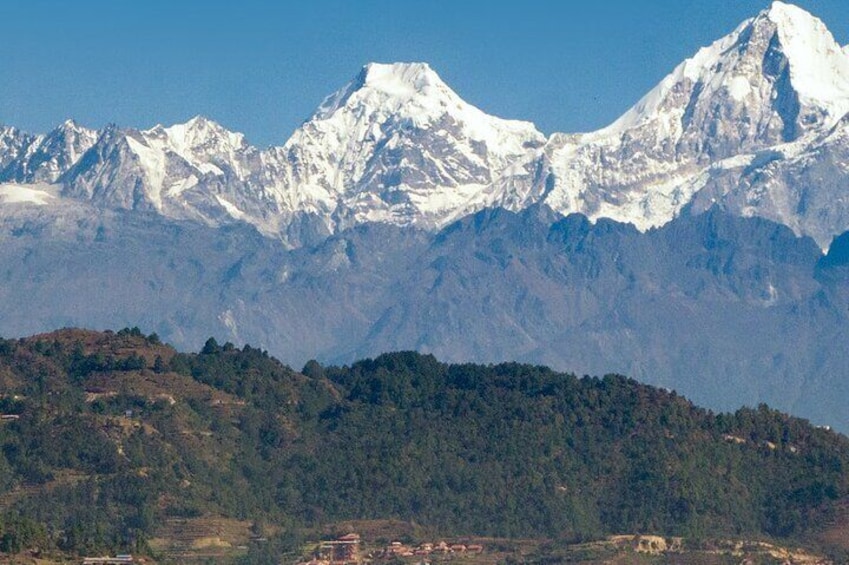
(107, 436)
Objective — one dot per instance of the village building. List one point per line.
(345, 549)
(121, 559)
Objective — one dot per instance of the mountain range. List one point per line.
(752, 123)
(694, 243)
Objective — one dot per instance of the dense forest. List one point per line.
(106, 435)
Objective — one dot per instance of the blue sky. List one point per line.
(262, 67)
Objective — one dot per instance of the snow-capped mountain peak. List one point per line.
(819, 69)
(44, 158)
(70, 125)
(198, 132)
(416, 75)
(74, 139)
(778, 78)
(397, 144)
(414, 94)
(784, 60)
(14, 145)
(391, 85)
(204, 144)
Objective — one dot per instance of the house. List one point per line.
(458, 548)
(475, 548)
(344, 549)
(117, 560)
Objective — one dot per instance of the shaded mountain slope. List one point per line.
(724, 309)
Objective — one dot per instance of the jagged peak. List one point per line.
(70, 123)
(798, 30)
(197, 131)
(412, 93)
(393, 85)
(818, 65)
(201, 123)
(819, 68)
(71, 126)
(197, 124)
(10, 130)
(194, 126)
(782, 13)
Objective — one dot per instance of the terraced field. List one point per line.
(191, 540)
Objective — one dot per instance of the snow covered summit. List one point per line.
(778, 78)
(43, 158)
(784, 60)
(397, 144)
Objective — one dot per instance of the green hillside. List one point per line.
(114, 442)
